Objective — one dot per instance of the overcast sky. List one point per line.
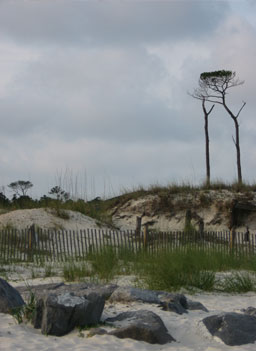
(94, 94)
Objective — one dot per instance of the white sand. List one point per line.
(47, 219)
(186, 329)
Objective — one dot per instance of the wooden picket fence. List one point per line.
(46, 245)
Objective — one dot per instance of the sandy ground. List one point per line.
(187, 329)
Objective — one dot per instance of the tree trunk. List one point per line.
(207, 142)
(237, 143)
(207, 151)
(238, 155)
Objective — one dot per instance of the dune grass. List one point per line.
(191, 269)
(195, 269)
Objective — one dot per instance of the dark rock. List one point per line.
(251, 311)
(80, 289)
(130, 294)
(59, 314)
(195, 305)
(170, 302)
(140, 325)
(232, 328)
(10, 298)
(95, 308)
(174, 303)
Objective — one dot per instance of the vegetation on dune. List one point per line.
(103, 209)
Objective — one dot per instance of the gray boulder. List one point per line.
(170, 302)
(140, 325)
(195, 305)
(251, 311)
(130, 294)
(173, 303)
(10, 298)
(59, 314)
(95, 308)
(232, 328)
(79, 289)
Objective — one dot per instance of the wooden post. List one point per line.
(31, 241)
(145, 237)
(138, 226)
(232, 238)
(247, 235)
(201, 229)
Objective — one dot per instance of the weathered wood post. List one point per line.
(31, 240)
(247, 235)
(232, 238)
(201, 229)
(145, 236)
(138, 226)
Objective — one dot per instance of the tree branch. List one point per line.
(244, 103)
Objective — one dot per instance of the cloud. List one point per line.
(109, 94)
(107, 22)
(112, 100)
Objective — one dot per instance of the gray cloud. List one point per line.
(108, 22)
(113, 101)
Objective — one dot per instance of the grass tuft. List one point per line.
(104, 263)
(239, 283)
(73, 271)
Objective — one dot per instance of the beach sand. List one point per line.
(187, 329)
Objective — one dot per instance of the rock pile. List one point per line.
(60, 308)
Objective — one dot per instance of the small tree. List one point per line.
(20, 187)
(60, 194)
(213, 87)
(4, 201)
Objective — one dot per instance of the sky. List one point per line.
(94, 94)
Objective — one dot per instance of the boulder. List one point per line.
(95, 308)
(170, 302)
(232, 328)
(10, 298)
(173, 303)
(195, 305)
(251, 311)
(59, 314)
(130, 294)
(140, 325)
(79, 289)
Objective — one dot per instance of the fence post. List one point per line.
(138, 226)
(31, 241)
(201, 229)
(145, 237)
(232, 238)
